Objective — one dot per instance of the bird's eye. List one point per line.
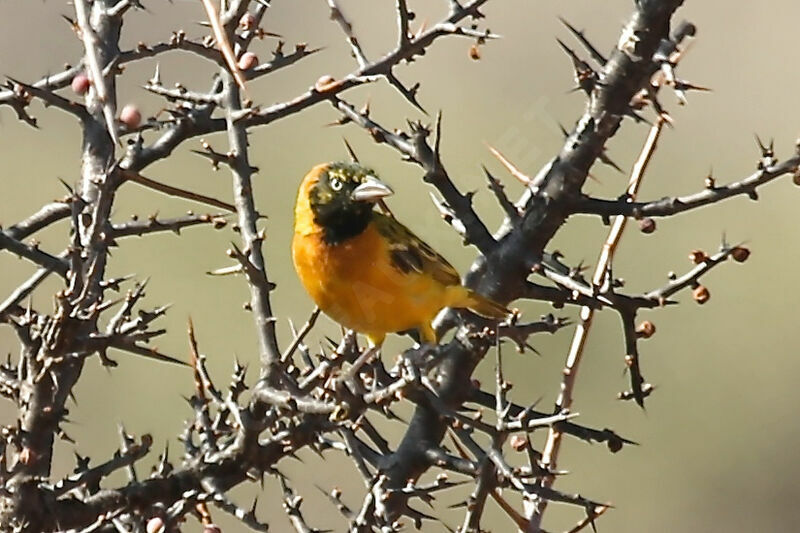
(336, 184)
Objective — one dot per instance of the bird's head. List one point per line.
(341, 197)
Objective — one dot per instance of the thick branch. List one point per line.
(34, 254)
(503, 273)
(48, 214)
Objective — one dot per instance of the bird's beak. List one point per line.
(371, 190)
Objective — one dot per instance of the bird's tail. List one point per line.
(481, 304)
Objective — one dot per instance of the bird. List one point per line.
(366, 270)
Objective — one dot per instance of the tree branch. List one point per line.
(252, 238)
(671, 206)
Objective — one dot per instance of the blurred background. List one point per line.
(719, 438)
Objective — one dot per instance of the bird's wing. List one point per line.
(409, 253)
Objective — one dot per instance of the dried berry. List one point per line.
(701, 294)
(324, 83)
(474, 52)
(740, 254)
(698, 256)
(646, 329)
(647, 225)
(130, 116)
(80, 83)
(247, 61)
(614, 444)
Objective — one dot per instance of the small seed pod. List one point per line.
(701, 294)
(130, 116)
(647, 225)
(211, 528)
(740, 254)
(80, 83)
(646, 329)
(248, 61)
(698, 256)
(474, 52)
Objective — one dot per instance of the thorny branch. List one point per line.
(768, 171)
(601, 273)
(325, 399)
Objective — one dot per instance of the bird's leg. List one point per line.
(427, 334)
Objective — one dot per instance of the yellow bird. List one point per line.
(365, 269)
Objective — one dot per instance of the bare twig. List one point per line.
(202, 124)
(155, 225)
(91, 45)
(679, 204)
(50, 98)
(34, 254)
(347, 28)
(24, 289)
(223, 43)
(47, 214)
(300, 335)
(135, 177)
(572, 365)
(260, 286)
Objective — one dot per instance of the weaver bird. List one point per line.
(365, 269)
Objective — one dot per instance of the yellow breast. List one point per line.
(355, 283)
